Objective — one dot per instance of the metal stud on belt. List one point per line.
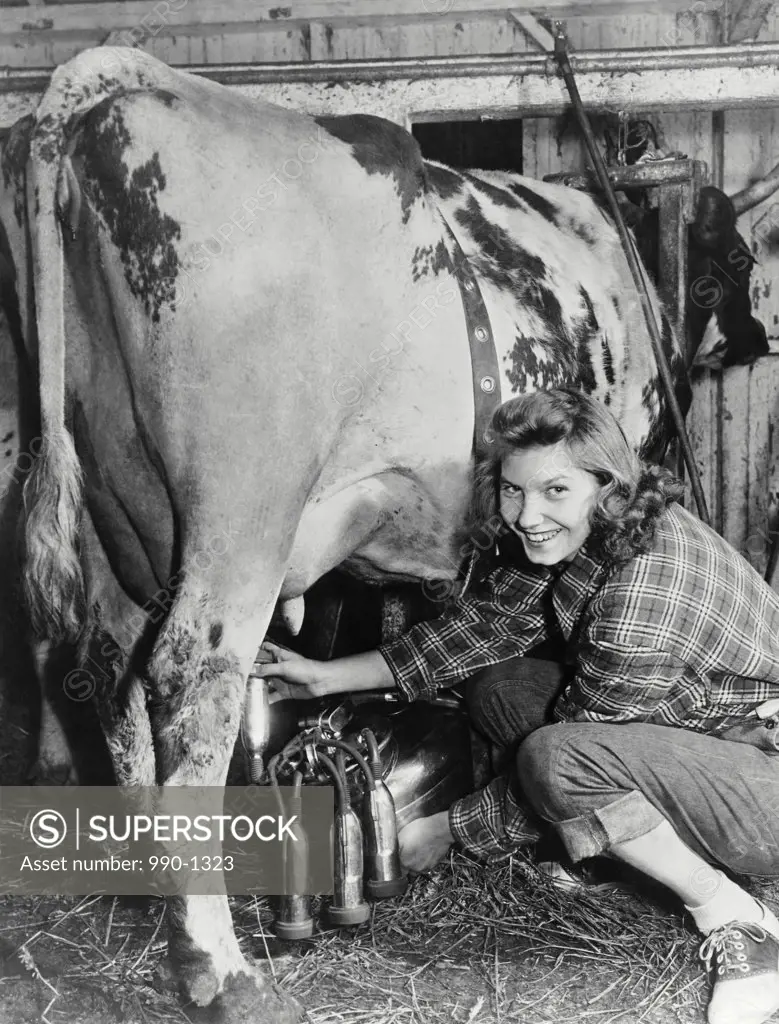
(484, 359)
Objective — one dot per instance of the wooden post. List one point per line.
(672, 254)
(676, 210)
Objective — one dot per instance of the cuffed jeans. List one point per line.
(600, 785)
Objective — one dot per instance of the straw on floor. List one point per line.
(465, 944)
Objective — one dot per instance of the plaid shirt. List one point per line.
(686, 635)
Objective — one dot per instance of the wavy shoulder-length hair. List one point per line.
(632, 496)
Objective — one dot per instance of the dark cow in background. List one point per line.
(721, 330)
(254, 367)
(720, 327)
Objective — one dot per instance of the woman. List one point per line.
(657, 756)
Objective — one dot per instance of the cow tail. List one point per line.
(53, 580)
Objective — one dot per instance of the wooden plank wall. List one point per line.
(734, 422)
(735, 414)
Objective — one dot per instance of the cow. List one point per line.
(254, 367)
(722, 330)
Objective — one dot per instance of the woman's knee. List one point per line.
(537, 763)
(554, 765)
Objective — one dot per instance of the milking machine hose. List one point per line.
(340, 763)
(318, 742)
(294, 744)
(338, 781)
(273, 763)
(354, 753)
(274, 782)
(561, 56)
(373, 752)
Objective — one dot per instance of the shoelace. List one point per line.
(726, 946)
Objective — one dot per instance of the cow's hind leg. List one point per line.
(70, 747)
(102, 673)
(118, 633)
(198, 673)
(54, 761)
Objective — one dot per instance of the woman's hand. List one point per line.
(292, 675)
(425, 842)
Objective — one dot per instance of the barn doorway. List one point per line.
(485, 145)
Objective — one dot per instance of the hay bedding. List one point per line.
(465, 944)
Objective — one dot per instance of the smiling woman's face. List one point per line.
(547, 501)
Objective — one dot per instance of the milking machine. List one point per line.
(389, 762)
(294, 919)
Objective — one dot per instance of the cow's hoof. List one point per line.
(246, 998)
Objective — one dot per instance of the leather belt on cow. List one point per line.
(484, 359)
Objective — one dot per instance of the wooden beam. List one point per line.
(747, 18)
(507, 85)
(533, 28)
(650, 174)
(180, 15)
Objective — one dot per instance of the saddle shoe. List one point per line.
(743, 958)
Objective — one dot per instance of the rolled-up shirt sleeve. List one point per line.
(503, 619)
(493, 823)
